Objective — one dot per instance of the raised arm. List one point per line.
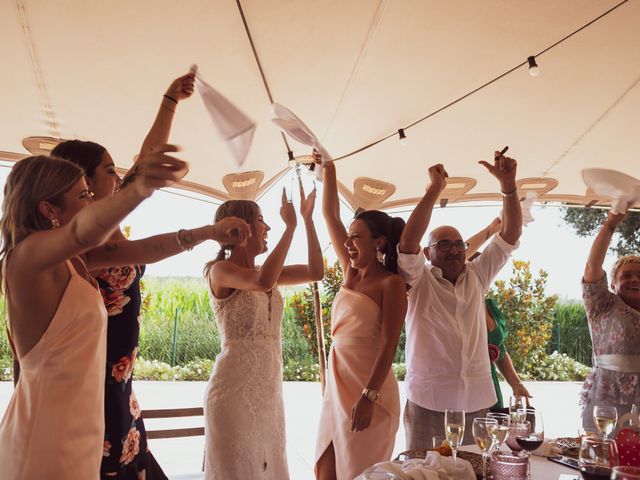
(331, 213)
(477, 240)
(226, 274)
(94, 224)
(418, 222)
(314, 269)
(394, 308)
(179, 89)
(593, 271)
(230, 230)
(504, 169)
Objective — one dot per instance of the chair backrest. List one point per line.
(174, 413)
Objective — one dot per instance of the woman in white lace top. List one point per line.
(244, 411)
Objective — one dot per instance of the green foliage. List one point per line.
(301, 308)
(529, 313)
(587, 221)
(554, 367)
(571, 332)
(195, 370)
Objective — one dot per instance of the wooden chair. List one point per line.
(177, 432)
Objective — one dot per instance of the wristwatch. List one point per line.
(370, 394)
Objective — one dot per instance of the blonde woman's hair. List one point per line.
(620, 262)
(247, 210)
(31, 181)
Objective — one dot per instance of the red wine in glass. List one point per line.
(595, 472)
(530, 442)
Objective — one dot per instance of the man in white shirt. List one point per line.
(446, 350)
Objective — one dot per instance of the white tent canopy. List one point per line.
(355, 70)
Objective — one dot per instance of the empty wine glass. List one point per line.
(517, 403)
(605, 418)
(454, 430)
(597, 458)
(482, 428)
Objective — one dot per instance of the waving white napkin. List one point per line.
(623, 189)
(289, 123)
(433, 467)
(235, 128)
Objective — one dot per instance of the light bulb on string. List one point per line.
(534, 70)
(403, 138)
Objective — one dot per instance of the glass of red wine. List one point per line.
(597, 458)
(531, 436)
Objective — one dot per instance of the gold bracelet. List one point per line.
(508, 194)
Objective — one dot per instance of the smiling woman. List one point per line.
(614, 322)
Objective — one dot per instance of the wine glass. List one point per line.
(499, 431)
(597, 457)
(481, 429)
(454, 430)
(627, 472)
(605, 418)
(532, 434)
(517, 403)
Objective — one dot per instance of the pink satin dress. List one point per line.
(355, 328)
(53, 427)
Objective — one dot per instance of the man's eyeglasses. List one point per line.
(445, 245)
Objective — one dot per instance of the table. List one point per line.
(541, 468)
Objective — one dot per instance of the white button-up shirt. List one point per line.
(446, 351)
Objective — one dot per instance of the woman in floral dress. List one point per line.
(126, 455)
(614, 323)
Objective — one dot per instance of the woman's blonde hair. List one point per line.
(621, 262)
(31, 181)
(247, 210)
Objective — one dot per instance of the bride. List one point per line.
(244, 411)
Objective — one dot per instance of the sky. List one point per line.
(548, 243)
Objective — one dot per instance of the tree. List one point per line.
(529, 313)
(587, 222)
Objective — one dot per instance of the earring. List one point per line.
(55, 223)
(379, 255)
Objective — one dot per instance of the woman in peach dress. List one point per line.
(361, 405)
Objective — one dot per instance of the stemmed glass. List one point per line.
(597, 457)
(626, 473)
(605, 418)
(532, 434)
(454, 430)
(517, 404)
(499, 431)
(482, 429)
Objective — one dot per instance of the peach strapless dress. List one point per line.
(53, 427)
(355, 329)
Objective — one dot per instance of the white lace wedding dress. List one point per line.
(244, 411)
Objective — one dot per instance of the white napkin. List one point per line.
(623, 189)
(289, 123)
(235, 128)
(433, 467)
(526, 204)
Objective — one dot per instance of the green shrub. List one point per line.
(196, 370)
(571, 332)
(297, 371)
(556, 367)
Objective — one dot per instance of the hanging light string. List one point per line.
(484, 85)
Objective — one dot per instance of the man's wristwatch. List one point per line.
(370, 394)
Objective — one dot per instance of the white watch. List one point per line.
(370, 394)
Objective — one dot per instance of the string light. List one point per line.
(534, 71)
(403, 137)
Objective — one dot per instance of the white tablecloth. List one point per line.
(541, 468)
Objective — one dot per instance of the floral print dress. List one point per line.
(125, 453)
(615, 329)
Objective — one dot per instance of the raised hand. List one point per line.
(182, 87)
(287, 212)
(307, 204)
(438, 177)
(504, 169)
(231, 230)
(155, 170)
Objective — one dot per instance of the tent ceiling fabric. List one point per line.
(353, 70)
